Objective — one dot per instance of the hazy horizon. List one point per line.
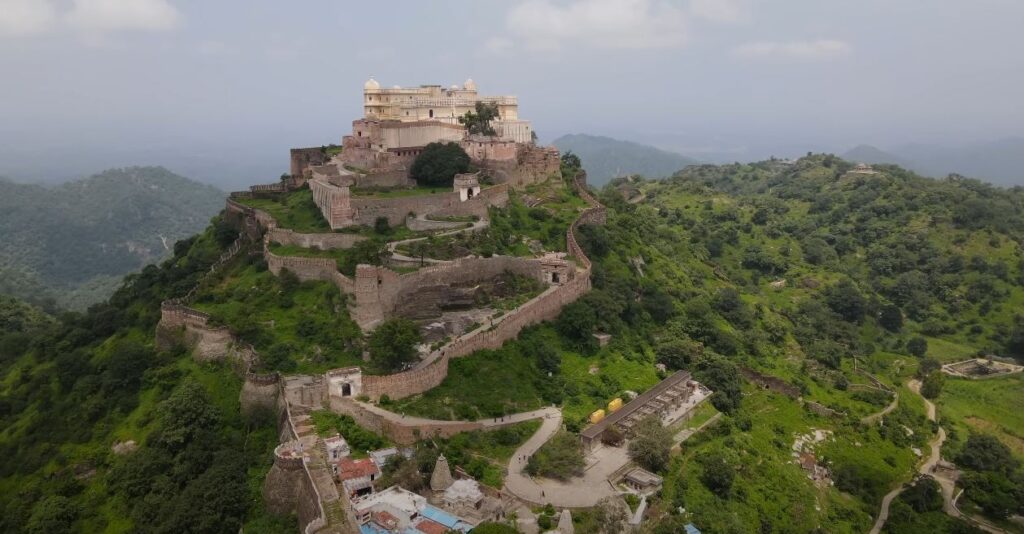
(220, 91)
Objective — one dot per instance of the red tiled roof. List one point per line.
(427, 526)
(385, 520)
(349, 468)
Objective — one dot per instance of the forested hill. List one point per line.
(946, 254)
(605, 158)
(73, 243)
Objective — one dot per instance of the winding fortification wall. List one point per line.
(406, 383)
(401, 432)
(544, 307)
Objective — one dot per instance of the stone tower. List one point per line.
(441, 478)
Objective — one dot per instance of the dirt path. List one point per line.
(871, 419)
(927, 468)
(924, 469)
(392, 245)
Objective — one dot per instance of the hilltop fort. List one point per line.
(462, 299)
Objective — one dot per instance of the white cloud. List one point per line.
(26, 17)
(616, 24)
(730, 11)
(498, 45)
(807, 50)
(114, 15)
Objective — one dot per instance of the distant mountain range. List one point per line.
(605, 158)
(1000, 162)
(71, 244)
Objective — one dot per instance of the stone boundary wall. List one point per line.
(402, 434)
(236, 210)
(321, 241)
(379, 290)
(322, 269)
(544, 307)
(406, 383)
(366, 210)
(302, 159)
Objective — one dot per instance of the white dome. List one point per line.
(470, 85)
(455, 86)
(371, 84)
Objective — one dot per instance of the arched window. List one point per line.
(431, 114)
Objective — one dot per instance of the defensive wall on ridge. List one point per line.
(401, 432)
(377, 289)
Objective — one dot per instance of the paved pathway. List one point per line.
(392, 245)
(580, 493)
(490, 422)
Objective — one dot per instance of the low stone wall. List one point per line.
(379, 290)
(304, 268)
(366, 210)
(544, 307)
(328, 241)
(402, 433)
(407, 383)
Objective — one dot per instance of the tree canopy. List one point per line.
(393, 344)
(438, 164)
(478, 121)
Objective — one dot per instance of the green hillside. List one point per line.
(605, 158)
(801, 271)
(72, 243)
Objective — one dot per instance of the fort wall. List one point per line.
(326, 241)
(304, 158)
(366, 210)
(544, 307)
(407, 383)
(401, 432)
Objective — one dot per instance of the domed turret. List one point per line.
(371, 84)
(470, 85)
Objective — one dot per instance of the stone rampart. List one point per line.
(401, 432)
(545, 307)
(407, 383)
(304, 268)
(448, 204)
(259, 393)
(372, 284)
(303, 158)
(329, 241)
(379, 290)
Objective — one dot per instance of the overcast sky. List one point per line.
(114, 82)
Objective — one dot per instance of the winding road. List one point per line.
(947, 485)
